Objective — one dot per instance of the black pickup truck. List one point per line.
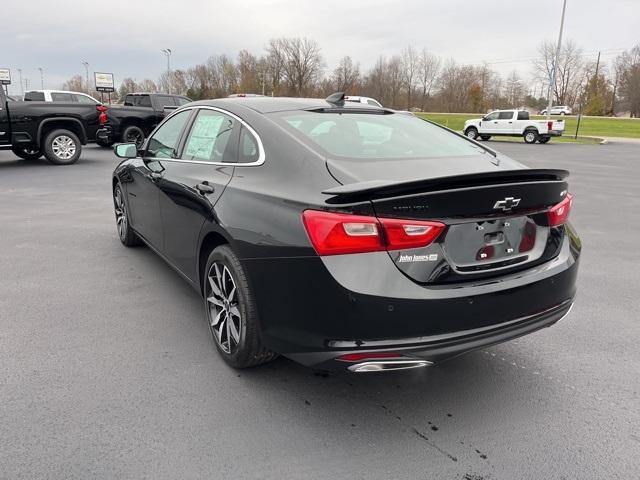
(136, 119)
(55, 130)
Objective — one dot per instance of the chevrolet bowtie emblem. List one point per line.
(506, 204)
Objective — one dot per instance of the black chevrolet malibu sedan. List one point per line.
(347, 236)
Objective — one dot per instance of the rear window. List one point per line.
(523, 115)
(368, 135)
(164, 101)
(137, 101)
(34, 96)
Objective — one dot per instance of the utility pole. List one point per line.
(86, 73)
(41, 78)
(552, 80)
(167, 52)
(21, 84)
(26, 84)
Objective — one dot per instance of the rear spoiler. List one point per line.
(384, 188)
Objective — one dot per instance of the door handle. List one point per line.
(204, 188)
(510, 122)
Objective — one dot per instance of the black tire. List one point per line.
(471, 132)
(133, 134)
(27, 153)
(62, 147)
(530, 136)
(223, 269)
(544, 139)
(562, 113)
(104, 144)
(126, 234)
(485, 137)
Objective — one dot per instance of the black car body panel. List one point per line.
(313, 308)
(25, 123)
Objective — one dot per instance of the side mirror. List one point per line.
(126, 150)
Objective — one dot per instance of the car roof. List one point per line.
(280, 104)
(59, 91)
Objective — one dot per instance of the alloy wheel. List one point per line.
(134, 136)
(121, 213)
(63, 147)
(223, 310)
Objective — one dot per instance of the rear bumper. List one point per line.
(555, 133)
(313, 309)
(105, 134)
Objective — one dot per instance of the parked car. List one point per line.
(558, 110)
(513, 123)
(347, 239)
(56, 130)
(365, 100)
(60, 96)
(137, 117)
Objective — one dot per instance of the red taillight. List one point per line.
(559, 213)
(550, 125)
(339, 233)
(102, 118)
(358, 357)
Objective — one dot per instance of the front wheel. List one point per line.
(126, 234)
(471, 133)
(544, 139)
(27, 153)
(562, 114)
(62, 147)
(231, 311)
(530, 136)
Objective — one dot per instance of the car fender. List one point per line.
(83, 133)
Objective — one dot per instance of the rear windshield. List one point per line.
(370, 135)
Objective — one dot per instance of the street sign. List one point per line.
(5, 76)
(104, 82)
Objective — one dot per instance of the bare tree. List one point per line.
(630, 80)
(247, 72)
(302, 65)
(428, 68)
(514, 90)
(74, 84)
(346, 75)
(410, 64)
(569, 71)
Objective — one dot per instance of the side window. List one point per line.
(165, 140)
(182, 101)
(61, 97)
(523, 115)
(164, 101)
(492, 116)
(34, 97)
(209, 137)
(249, 150)
(143, 101)
(83, 99)
(373, 102)
(505, 116)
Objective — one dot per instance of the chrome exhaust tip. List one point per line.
(382, 365)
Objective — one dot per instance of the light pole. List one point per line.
(167, 53)
(41, 78)
(21, 84)
(86, 73)
(552, 80)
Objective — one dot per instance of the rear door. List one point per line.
(192, 184)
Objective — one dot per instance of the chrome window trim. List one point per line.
(261, 155)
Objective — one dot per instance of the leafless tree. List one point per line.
(428, 68)
(569, 71)
(410, 65)
(514, 90)
(303, 64)
(74, 84)
(346, 76)
(630, 80)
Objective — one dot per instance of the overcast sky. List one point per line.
(126, 36)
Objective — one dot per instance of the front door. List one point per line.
(192, 185)
(489, 124)
(504, 125)
(142, 192)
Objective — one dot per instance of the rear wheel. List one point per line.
(133, 134)
(530, 136)
(231, 311)
(27, 153)
(562, 113)
(485, 137)
(471, 133)
(544, 139)
(62, 147)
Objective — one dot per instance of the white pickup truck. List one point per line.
(513, 123)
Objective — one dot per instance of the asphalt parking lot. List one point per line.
(107, 368)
